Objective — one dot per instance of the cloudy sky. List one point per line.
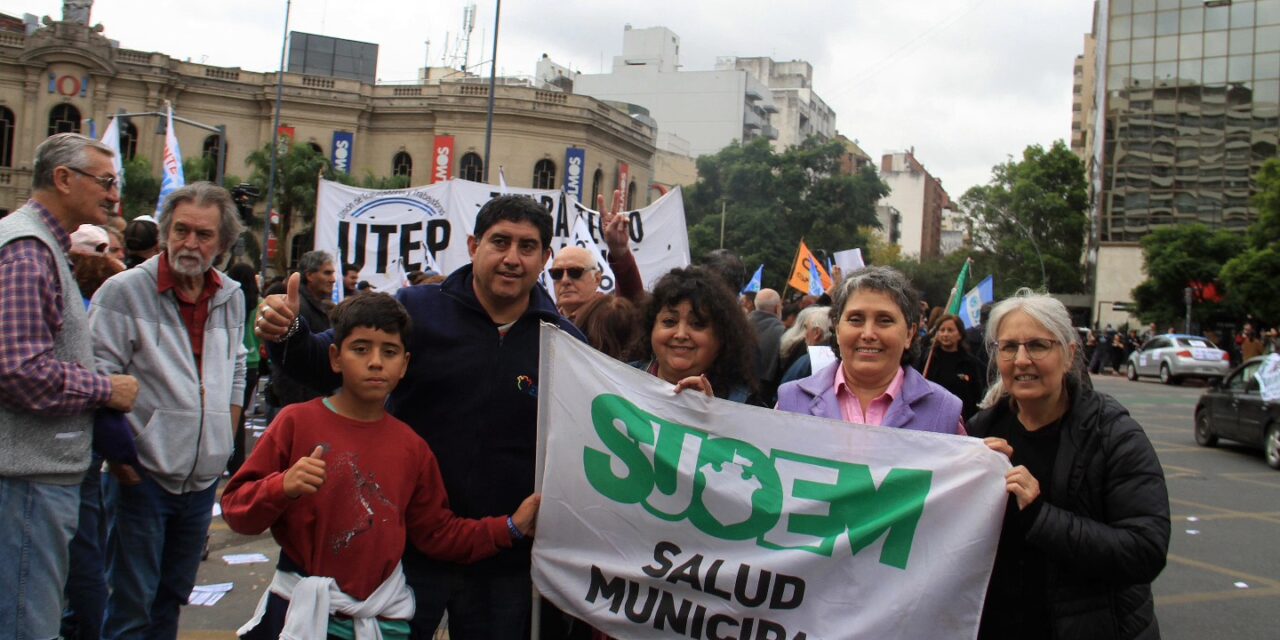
(965, 82)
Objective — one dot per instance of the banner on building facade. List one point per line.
(624, 180)
(442, 159)
(668, 516)
(385, 234)
(342, 151)
(575, 163)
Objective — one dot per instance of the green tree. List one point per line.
(1031, 218)
(1175, 257)
(298, 171)
(141, 188)
(1252, 279)
(772, 200)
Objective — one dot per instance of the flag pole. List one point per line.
(793, 268)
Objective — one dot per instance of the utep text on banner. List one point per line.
(386, 233)
(668, 516)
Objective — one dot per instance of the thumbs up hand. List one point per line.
(278, 311)
(306, 475)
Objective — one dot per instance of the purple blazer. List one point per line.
(922, 405)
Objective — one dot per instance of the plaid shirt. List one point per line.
(32, 378)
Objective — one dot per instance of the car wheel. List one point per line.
(1165, 376)
(1204, 434)
(1271, 446)
(1131, 372)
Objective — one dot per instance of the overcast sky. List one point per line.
(965, 82)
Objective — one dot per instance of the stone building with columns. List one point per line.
(59, 75)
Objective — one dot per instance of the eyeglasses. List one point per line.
(1036, 349)
(574, 273)
(106, 182)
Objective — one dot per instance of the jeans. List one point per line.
(37, 521)
(482, 606)
(155, 550)
(87, 581)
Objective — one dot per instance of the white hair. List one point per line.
(811, 316)
(1051, 314)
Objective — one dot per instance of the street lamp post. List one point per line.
(275, 150)
(493, 77)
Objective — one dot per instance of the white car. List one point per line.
(1173, 357)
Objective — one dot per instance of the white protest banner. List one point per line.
(681, 516)
(434, 221)
(383, 234)
(1268, 377)
(849, 260)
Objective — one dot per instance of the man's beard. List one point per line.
(183, 270)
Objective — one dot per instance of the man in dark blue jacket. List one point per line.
(471, 393)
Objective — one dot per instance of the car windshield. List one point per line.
(1195, 343)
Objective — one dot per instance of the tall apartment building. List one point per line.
(709, 109)
(801, 113)
(919, 199)
(1083, 100)
(1188, 108)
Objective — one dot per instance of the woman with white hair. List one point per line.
(1087, 526)
(812, 328)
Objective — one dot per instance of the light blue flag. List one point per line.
(815, 280)
(971, 304)
(171, 178)
(754, 285)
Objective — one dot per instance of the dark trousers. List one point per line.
(87, 581)
(481, 605)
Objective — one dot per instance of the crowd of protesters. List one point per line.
(127, 360)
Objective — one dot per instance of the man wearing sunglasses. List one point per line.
(48, 386)
(576, 276)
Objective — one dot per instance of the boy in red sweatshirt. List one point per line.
(341, 484)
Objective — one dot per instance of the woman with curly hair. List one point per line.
(698, 336)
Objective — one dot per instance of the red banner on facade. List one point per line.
(442, 159)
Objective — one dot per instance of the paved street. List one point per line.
(1223, 576)
(1222, 581)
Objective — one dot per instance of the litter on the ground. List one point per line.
(245, 558)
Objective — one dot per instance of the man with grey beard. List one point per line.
(177, 325)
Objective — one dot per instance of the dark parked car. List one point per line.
(1234, 409)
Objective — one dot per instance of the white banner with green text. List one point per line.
(682, 516)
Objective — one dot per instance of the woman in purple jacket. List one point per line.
(875, 317)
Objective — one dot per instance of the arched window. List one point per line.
(300, 244)
(64, 118)
(597, 182)
(6, 137)
(128, 141)
(544, 175)
(631, 196)
(210, 150)
(471, 167)
(315, 147)
(402, 165)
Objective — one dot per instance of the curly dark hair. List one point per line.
(514, 208)
(92, 270)
(611, 325)
(714, 303)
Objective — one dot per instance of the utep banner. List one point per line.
(386, 234)
(668, 516)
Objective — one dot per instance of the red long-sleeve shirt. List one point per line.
(381, 481)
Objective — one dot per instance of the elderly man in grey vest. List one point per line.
(48, 386)
(177, 324)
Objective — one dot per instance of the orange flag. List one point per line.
(800, 270)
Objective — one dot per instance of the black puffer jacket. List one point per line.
(1104, 531)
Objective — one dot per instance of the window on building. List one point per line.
(597, 182)
(210, 150)
(631, 196)
(402, 165)
(6, 137)
(128, 141)
(471, 167)
(544, 174)
(316, 148)
(300, 244)
(64, 118)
